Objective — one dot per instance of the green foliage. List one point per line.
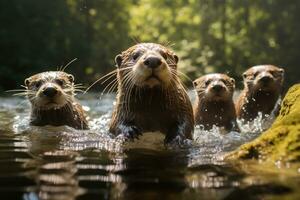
(208, 36)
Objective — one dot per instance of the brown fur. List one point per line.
(67, 111)
(258, 96)
(215, 108)
(165, 107)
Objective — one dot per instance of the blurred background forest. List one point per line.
(207, 35)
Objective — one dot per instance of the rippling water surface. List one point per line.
(63, 163)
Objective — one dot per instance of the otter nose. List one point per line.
(265, 79)
(50, 91)
(152, 62)
(217, 88)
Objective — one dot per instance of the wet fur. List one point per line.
(71, 113)
(164, 108)
(252, 100)
(209, 112)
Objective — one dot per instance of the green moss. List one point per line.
(282, 140)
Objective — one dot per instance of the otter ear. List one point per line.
(245, 75)
(176, 58)
(27, 82)
(118, 60)
(71, 78)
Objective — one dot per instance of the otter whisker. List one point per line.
(131, 78)
(130, 91)
(126, 80)
(98, 80)
(129, 84)
(168, 44)
(109, 77)
(69, 63)
(26, 91)
(178, 81)
(77, 89)
(68, 107)
(109, 85)
(17, 90)
(113, 87)
(186, 76)
(182, 87)
(113, 73)
(109, 74)
(22, 94)
(78, 86)
(135, 39)
(181, 73)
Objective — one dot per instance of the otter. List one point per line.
(214, 103)
(262, 88)
(150, 95)
(51, 95)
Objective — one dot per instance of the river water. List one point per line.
(63, 163)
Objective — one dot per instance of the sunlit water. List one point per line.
(63, 163)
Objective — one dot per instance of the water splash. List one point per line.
(261, 122)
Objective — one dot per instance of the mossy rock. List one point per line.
(282, 140)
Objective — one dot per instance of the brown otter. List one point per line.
(214, 104)
(262, 88)
(51, 95)
(150, 95)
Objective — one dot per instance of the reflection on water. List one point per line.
(64, 163)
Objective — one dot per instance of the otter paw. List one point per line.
(129, 132)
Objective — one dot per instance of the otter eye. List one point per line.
(195, 83)
(207, 83)
(59, 82)
(136, 55)
(277, 74)
(38, 84)
(255, 74)
(164, 54)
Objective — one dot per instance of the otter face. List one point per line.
(214, 87)
(50, 90)
(264, 78)
(147, 65)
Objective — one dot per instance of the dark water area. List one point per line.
(63, 163)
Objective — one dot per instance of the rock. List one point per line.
(282, 140)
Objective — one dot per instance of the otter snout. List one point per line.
(152, 62)
(266, 79)
(50, 91)
(217, 88)
(152, 70)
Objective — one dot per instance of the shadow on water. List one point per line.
(63, 163)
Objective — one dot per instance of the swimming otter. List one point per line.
(51, 95)
(214, 104)
(262, 88)
(150, 95)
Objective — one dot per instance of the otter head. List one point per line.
(264, 78)
(147, 65)
(50, 90)
(214, 87)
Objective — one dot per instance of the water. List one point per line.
(63, 163)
